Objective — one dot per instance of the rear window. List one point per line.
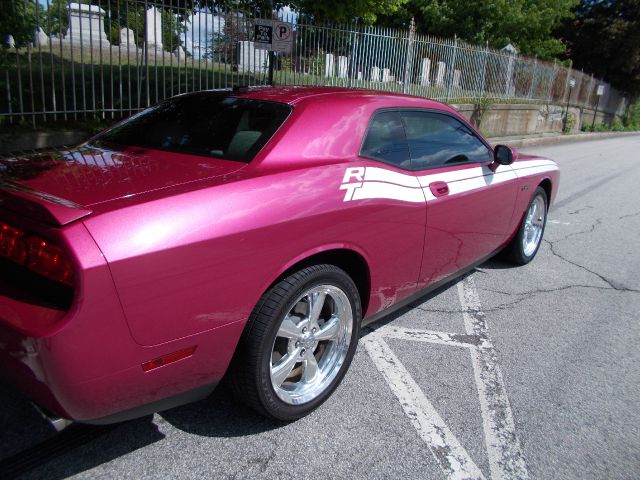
(209, 124)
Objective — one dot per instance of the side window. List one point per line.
(437, 140)
(386, 141)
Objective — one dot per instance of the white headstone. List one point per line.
(386, 75)
(360, 75)
(425, 71)
(154, 29)
(127, 38)
(179, 52)
(328, 65)
(456, 79)
(375, 74)
(343, 67)
(252, 59)
(11, 42)
(86, 25)
(40, 38)
(442, 68)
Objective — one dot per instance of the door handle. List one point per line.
(439, 189)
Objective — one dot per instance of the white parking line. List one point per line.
(452, 458)
(506, 460)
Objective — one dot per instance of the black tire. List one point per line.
(515, 250)
(249, 375)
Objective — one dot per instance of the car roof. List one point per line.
(297, 94)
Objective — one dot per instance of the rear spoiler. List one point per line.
(38, 205)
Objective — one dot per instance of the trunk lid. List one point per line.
(60, 186)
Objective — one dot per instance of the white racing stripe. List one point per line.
(452, 458)
(363, 183)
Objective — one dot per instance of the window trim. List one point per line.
(422, 110)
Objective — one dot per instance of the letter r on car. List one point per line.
(356, 173)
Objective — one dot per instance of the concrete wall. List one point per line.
(500, 120)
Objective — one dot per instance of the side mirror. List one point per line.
(504, 155)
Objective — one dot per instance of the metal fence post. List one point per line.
(451, 69)
(408, 68)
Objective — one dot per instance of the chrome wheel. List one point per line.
(534, 226)
(311, 344)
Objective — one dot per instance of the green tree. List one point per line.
(319, 11)
(604, 38)
(527, 24)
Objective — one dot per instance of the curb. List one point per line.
(558, 139)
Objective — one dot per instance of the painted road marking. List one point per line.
(452, 458)
(506, 459)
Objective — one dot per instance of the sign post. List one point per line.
(274, 36)
(599, 93)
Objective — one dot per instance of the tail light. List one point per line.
(35, 253)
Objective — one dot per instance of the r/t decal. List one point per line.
(356, 174)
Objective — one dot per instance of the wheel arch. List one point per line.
(547, 187)
(348, 259)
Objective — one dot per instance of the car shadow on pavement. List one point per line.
(30, 447)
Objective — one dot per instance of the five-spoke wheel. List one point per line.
(527, 241)
(298, 343)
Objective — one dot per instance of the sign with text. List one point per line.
(273, 35)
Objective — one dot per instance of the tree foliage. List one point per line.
(527, 24)
(604, 38)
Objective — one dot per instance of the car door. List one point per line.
(469, 205)
(392, 205)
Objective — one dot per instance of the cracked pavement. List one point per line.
(566, 334)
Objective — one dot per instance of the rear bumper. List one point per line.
(45, 377)
(83, 364)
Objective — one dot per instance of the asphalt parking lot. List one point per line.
(528, 372)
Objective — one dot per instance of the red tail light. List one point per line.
(35, 253)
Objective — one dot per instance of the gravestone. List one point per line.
(343, 66)
(442, 69)
(375, 74)
(86, 25)
(425, 71)
(127, 38)
(456, 79)
(179, 52)
(40, 38)
(328, 65)
(154, 29)
(360, 77)
(386, 75)
(11, 42)
(252, 59)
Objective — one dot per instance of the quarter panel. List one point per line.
(200, 260)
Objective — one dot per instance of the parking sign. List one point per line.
(273, 35)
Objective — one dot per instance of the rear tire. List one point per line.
(298, 343)
(524, 246)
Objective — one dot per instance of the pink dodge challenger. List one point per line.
(247, 233)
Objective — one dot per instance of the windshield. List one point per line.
(206, 124)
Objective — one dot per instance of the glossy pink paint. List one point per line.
(173, 251)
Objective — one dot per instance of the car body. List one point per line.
(167, 252)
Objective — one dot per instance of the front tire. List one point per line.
(526, 243)
(298, 343)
